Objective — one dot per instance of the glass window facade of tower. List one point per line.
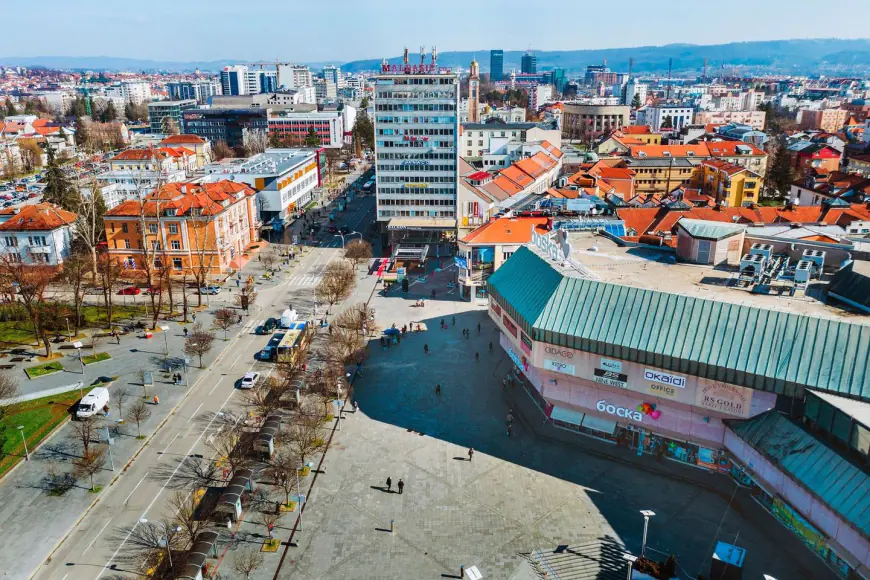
(416, 153)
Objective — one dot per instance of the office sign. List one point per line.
(610, 378)
(509, 325)
(560, 367)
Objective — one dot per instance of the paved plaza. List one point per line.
(519, 493)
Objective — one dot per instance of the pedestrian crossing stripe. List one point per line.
(303, 280)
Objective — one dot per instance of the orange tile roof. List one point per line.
(636, 130)
(699, 150)
(179, 139)
(729, 148)
(496, 191)
(613, 172)
(183, 197)
(536, 165)
(508, 186)
(564, 193)
(507, 231)
(144, 154)
(722, 165)
(36, 217)
(552, 149)
(517, 176)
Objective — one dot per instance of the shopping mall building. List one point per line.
(776, 400)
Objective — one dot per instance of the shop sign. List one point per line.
(724, 398)
(610, 378)
(415, 69)
(603, 407)
(560, 352)
(560, 367)
(495, 307)
(527, 343)
(518, 360)
(415, 185)
(460, 262)
(663, 391)
(415, 163)
(611, 365)
(509, 325)
(664, 378)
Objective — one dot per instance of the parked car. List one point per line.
(249, 380)
(261, 330)
(332, 230)
(153, 290)
(270, 324)
(210, 290)
(345, 230)
(93, 291)
(266, 355)
(130, 291)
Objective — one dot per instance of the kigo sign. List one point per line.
(559, 352)
(664, 378)
(559, 367)
(604, 407)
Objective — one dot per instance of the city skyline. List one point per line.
(231, 32)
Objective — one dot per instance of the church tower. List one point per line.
(474, 93)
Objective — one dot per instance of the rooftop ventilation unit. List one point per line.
(815, 256)
(761, 250)
(751, 264)
(804, 271)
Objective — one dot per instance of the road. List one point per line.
(100, 543)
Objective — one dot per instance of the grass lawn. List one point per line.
(38, 417)
(21, 331)
(44, 369)
(17, 333)
(95, 358)
(95, 315)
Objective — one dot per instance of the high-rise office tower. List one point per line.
(234, 80)
(529, 63)
(496, 65)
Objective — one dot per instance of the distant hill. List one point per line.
(832, 55)
(825, 55)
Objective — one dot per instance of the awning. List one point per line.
(567, 416)
(238, 484)
(599, 424)
(271, 426)
(203, 548)
(421, 224)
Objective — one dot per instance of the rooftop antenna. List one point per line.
(422, 54)
(405, 61)
(670, 67)
(434, 56)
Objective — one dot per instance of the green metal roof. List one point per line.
(762, 349)
(709, 230)
(819, 469)
(851, 287)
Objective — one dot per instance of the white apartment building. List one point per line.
(294, 76)
(122, 184)
(133, 92)
(754, 119)
(654, 116)
(285, 179)
(479, 139)
(57, 101)
(634, 87)
(325, 89)
(416, 151)
(36, 234)
(540, 94)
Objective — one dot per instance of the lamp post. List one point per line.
(647, 514)
(109, 442)
(165, 329)
(343, 236)
(26, 453)
(176, 529)
(631, 559)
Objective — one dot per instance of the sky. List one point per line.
(344, 30)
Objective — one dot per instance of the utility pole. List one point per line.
(670, 67)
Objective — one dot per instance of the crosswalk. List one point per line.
(302, 280)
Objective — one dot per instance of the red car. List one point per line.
(130, 291)
(153, 290)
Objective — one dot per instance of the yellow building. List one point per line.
(729, 184)
(642, 133)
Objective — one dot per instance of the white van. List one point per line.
(93, 403)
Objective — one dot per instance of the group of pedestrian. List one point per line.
(177, 378)
(510, 422)
(400, 485)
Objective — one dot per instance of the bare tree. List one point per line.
(230, 444)
(265, 397)
(31, 154)
(110, 274)
(184, 504)
(305, 435)
(270, 258)
(10, 165)
(32, 281)
(247, 296)
(96, 339)
(247, 561)
(269, 518)
(337, 283)
(221, 150)
(138, 413)
(198, 342)
(75, 269)
(169, 126)
(90, 463)
(358, 251)
(224, 319)
(254, 141)
(88, 226)
(84, 430)
(8, 389)
(121, 395)
(282, 470)
(203, 246)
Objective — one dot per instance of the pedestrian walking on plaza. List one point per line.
(510, 429)
(401, 486)
(477, 357)
(156, 400)
(490, 347)
(467, 334)
(117, 338)
(389, 484)
(478, 328)
(185, 333)
(443, 325)
(438, 390)
(470, 453)
(425, 349)
(238, 283)
(454, 321)
(193, 316)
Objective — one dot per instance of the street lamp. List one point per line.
(165, 329)
(631, 559)
(343, 236)
(647, 514)
(26, 453)
(176, 529)
(78, 346)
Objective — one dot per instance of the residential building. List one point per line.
(529, 63)
(539, 95)
(199, 90)
(37, 234)
(496, 65)
(642, 133)
(859, 164)
(123, 184)
(188, 227)
(295, 127)
(581, 121)
(754, 119)
(634, 88)
(665, 117)
(158, 111)
(417, 154)
(817, 157)
(814, 189)
(232, 126)
(478, 139)
(293, 76)
(200, 147)
(333, 73)
(828, 120)
(57, 101)
(132, 91)
(325, 90)
(285, 179)
(162, 159)
(729, 184)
